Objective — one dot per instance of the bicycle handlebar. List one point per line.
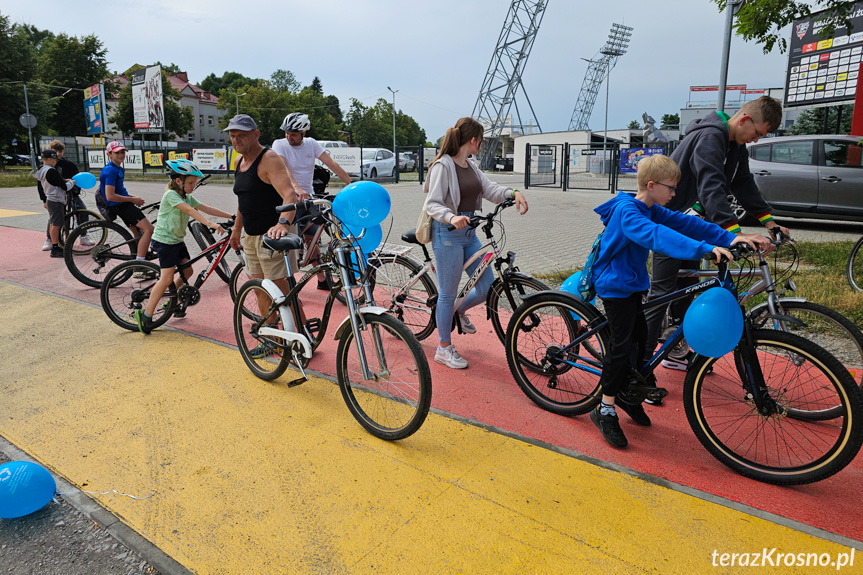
(476, 221)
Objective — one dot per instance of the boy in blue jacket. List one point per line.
(635, 226)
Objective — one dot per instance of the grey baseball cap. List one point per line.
(242, 122)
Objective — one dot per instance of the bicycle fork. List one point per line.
(749, 369)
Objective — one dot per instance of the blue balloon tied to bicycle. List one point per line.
(85, 180)
(362, 204)
(25, 487)
(713, 324)
(570, 286)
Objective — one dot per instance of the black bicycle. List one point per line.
(779, 408)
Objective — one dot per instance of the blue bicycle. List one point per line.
(779, 408)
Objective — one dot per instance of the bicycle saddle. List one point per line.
(284, 243)
(410, 237)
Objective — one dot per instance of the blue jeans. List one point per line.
(451, 250)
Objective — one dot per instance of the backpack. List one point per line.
(102, 204)
(585, 281)
(320, 179)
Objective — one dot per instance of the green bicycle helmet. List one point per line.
(182, 167)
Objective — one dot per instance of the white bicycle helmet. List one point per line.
(296, 122)
(182, 167)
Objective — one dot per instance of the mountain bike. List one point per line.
(778, 408)
(73, 218)
(382, 371)
(127, 286)
(854, 270)
(409, 292)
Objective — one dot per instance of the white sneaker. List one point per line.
(46, 247)
(466, 325)
(450, 357)
(86, 241)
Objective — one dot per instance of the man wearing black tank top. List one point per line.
(261, 183)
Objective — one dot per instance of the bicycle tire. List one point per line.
(204, 238)
(388, 277)
(395, 403)
(825, 327)
(854, 270)
(114, 244)
(71, 221)
(238, 278)
(497, 304)
(247, 319)
(547, 323)
(122, 293)
(727, 423)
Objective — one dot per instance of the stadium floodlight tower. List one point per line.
(598, 70)
(503, 78)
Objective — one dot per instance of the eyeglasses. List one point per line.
(672, 188)
(758, 134)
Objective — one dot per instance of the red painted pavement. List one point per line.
(486, 393)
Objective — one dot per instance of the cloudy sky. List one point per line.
(434, 53)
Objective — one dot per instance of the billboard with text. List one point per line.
(147, 102)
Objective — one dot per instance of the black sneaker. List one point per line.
(145, 324)
(56, 252)
(323, 285)
(609, 426)
(635, 411)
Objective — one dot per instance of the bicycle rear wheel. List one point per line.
(777, 447)
(499, 308)
(566, 383)
(265, 356)
(395, 402)
(204, 238)
(855, 266)
(113, 244)
(389, 276)
(71, 221)
(127, 287)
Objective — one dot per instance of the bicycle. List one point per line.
(389, 390)
(409, 292)
(127, 286)
(73, 218)
(779, 409)
(854, 270)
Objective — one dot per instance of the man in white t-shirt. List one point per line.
(299, 154)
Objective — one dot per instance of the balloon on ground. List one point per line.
(25, 487)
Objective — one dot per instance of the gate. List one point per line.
(545, 166)
(590, 167)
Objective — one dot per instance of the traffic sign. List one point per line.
(27, 120)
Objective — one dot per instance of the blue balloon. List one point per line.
(85, 180)
(24, 488)
(713, 324)
(362, 204)
(570, 286)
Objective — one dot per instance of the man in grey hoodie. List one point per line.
(714, 163)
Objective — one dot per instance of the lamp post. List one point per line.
(237, 98)
(394, 122)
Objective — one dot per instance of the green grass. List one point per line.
(16, 178)
(820, 278)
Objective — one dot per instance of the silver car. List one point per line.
(819, 176)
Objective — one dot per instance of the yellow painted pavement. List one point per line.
(252, 477)
(12, 213)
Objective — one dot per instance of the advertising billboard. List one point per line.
(147, 103)
(822, 71)
(629, 158)
(93, 109)
(211, 158)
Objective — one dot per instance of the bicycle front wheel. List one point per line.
(500, 309)
(265, 355)
(394, 403)
(776, 447)
(561, 382)
(389, 279)
(204, 238)
(71, 221)
(112, 244)
(127, 288)
(238, 278)
(855, 266)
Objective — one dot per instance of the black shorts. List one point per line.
(56, 213)
(170, 255)
(128, 212)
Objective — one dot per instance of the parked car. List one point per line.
(332, 144)
(378, 162)
(16, 160)
(817, 176)
(406, 163)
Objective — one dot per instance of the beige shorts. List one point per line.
(266, 262)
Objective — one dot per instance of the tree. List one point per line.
(284, 81)
(334, 109)
(373, 127)
(634, 125)
(670, 122)
(763, 20)
(233, 81)
(812, 121)
(317, 86)
(70, 62)
(178, 120)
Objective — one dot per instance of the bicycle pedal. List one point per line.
(298, 381)
(313, 325)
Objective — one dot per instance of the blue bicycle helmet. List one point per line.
(182, 167)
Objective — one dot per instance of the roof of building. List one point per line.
(180, 82)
